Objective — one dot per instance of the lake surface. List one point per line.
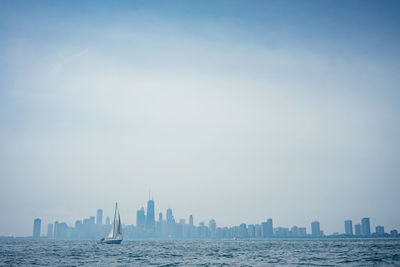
(334, 252)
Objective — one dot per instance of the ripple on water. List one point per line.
(201, 253)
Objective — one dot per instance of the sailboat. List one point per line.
(115, 235)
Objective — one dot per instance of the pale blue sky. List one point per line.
(232, 110)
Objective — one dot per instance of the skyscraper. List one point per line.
(170, 217)
(267, 228)
(170, 222)
(365, 227)
(191, 220)
(56, 230)
(212, 225)
(302, 231)
(92, 220)
(36, 228)
(107, 220)
(380, 230)
(348, 227)
(243, 230)
(50, 230)
(315, 228)
(357, 229)
(99, 218)
(150, 220)
(140, 218)
(159, 225)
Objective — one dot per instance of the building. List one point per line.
(212, 225)
(191, 220)
(243, 230)
(170, 221)
(357, 229)
(55, 235)
(159, 225)
(150, 219)
(170, 216)
(315, 229)
(267, 228)
(348, 227)
(281, 232)
(294, 231)
(257, 231)
(107, 220)
(99, 218)
(302, 231)
(251, 231)
(365, 227)
(380, 230)
(394, 233)
(36, 228)
(140, 218)
(50, 230)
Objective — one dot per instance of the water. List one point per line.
(334, 252)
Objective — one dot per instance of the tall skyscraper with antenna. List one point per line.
(150, 219)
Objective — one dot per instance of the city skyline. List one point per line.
(170, 228)
(229, 110)
(147, 227)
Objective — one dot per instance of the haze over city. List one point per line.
(223, 109)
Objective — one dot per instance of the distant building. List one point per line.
(170, 221)
(50, 230)
(36, 228)
(357, 229)
(191, 220)
(170, 216)
(302, 231)
(257, 231)
(348, 227)
(63, 231)
(380, 230)
(140, 218)
(99, 218)
(251, 231)
(281, 232)
(394, 233)
(55, 230)
(267, 228)
(107, 220)
(150, 218)
(159, 225)
(243, 230)
(365, 227)
(315, 229)
(212, 225)
(294, 232)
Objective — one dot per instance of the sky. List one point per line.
(238, 111)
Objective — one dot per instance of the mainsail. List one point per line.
(116, 229)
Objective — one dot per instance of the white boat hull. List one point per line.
(111, 241)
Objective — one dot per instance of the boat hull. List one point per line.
(111, 241)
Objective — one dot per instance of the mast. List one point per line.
(115, 213)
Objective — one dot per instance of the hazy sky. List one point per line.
(233, 110)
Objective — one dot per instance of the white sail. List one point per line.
(111, 234)
(115, 235)
(119, 228)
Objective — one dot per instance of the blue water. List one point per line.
(334, 252)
